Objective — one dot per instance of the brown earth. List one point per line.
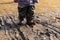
(47, 27)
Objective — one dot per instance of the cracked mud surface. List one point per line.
(47, 27)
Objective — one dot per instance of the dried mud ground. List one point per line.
(47, 27)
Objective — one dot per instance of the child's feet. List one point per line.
(19, 23)
(30, 24)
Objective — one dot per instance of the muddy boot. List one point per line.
(20, 23)
(29, 15)
(21, 15)
(30, 22)
(20, 20)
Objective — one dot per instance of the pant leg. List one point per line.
(21, 13)
(30, 13)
